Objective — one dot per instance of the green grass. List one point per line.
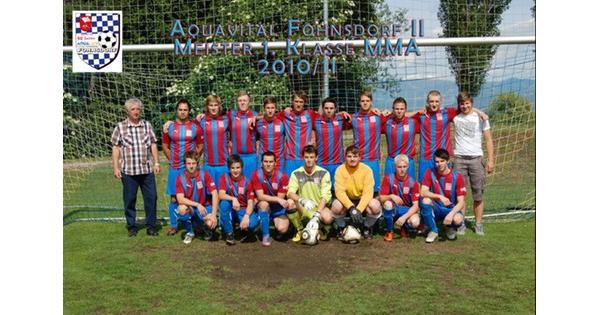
(106, 272)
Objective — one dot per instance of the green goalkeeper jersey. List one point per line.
(315, 186)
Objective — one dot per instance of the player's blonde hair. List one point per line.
(243, 93)
(400, 158)
(434, 93)
(210, 99)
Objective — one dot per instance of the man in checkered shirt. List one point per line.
(133, 141)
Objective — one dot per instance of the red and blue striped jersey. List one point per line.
(243, 136)
(435, 131)
(407, 188)
(239, 188)
(270, 185)
(198, 187)
(297, 131)
(330, 138)
(181, 138)
(400, 135)
(452, 184)
(271, 137)
(214, 134)
(367, 135)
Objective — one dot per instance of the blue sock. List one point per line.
(388, 215)
(225, 216)
(172, 215)
(186, 219)
(264, 222)
(429, 220)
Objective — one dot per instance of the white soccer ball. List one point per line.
(107, 39)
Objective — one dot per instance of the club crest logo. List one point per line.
(97, 41)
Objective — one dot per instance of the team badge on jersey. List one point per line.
(448, 186)
(199, 185)
(97, 37)
(241, 190)
(405, 190)
(275, 185)
(188, 133)
(277, 128)
(372, 119)
(405, 128)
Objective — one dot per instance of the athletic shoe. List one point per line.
(229, 240)
(171, 231)
(247, 237)
(479, 229)
(340, 236)
(132, 232)
(422, 229)
(367, 234)
(451, 233)
(188, 238)
(279, 237)
(151, 232)
(323, 236)
(461, 229)
(431, 237)
(297, 237)
(208, 234)
(266, 241)
(388, 237)
(404, 232)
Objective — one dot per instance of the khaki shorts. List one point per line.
(473, 169)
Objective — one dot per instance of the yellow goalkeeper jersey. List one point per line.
(354, 184)
(312, 186)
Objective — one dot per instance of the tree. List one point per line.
(471, 18)
(510, 107)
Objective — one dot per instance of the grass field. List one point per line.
(107, 272)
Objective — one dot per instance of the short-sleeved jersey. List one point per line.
(400, 135)
(197, 187)
(214, 134)
(406, 188)
(270, 185)
(243, 135)
(452, 184)
(297, 131)
(314, 186)
(271, 136)
(367, 135)
(435, 131)
(181, 138)
(330, 139)
(239, 188)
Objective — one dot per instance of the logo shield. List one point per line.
(97, 37)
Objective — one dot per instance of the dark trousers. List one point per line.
(147, 183)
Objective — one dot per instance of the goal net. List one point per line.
(93, 102)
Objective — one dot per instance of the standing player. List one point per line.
(235, 193)
(309, 191)
(468, 157)
(214, 126)
(298, 124)
(354, 192)
(400, 132)
(400, 199)
(196, 198)
(242, 132)
(329, 128)
(366, 126)
(270, 186)
(270, 132)
(443, 192)
(182, 136)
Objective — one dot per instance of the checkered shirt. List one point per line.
(134, 143)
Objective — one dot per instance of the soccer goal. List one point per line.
(452, 55)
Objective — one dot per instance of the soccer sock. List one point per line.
(294, 217)
(225, 216)
(172, 214)
(388, 215)
(326, 228)
(187, 222)
(264, 222)
(371, 219)
(429, 220)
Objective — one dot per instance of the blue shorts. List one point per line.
(292, 165)
(276, 211)
(390, 168)
(424, 165)
(250, 164)
(374, 165)
(440, 211)
(400, 211)
(331, 169)
(215, 172)
(173, 172)
(196, 213)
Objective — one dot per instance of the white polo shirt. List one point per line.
(468, 133)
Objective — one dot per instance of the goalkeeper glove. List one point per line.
(307, 204)
(356, 216)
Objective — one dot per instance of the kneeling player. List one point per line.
(400, 199)
(309, 191)
(354, 184)
(443, 192)
(196, 197)
(235, 193)
(270, 186)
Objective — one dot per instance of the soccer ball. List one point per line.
(107, 39)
